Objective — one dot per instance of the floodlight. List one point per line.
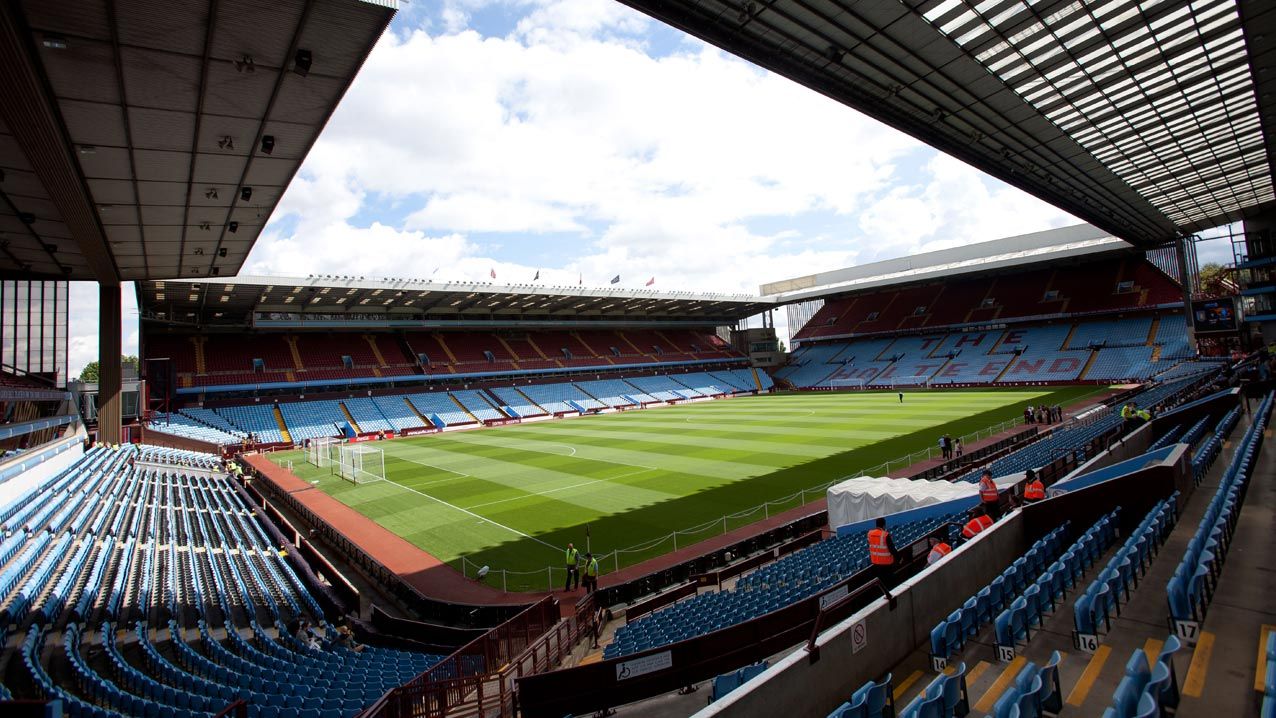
(301, 62)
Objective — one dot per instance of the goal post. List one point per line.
(321, 452)
(360, 463)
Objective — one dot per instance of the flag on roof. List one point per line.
(580, 279)
(538, 275)
(615, 279)
(651, 281)
(493, 272)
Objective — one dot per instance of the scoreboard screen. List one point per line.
(1214, 315)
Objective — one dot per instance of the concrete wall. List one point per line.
(795, 686)
(40, 465)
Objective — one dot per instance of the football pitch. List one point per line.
(511, 497)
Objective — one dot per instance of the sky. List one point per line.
(583, 140)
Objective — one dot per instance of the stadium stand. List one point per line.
(1190, 590)
(1113, 363)
(478, 405)
(182, 424)
(515, 400)
(106, 545)
(441, 405)
(396, 410)
(774, 586)
(1108, 350)
(254, 418)
(313, 419)
(661, 388)
(1023, 294)
(611, 392)
(1101, 599)
(556, 398)
(951, 634)
(224, 361)
(703, 384)
(1045, 366)
(368, 415)
(1132, 332)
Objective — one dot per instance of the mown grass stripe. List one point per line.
(546, 480)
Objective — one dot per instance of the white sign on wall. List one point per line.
(642, 666)
(859, 637)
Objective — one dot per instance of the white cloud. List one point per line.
(636, 164)
(957, 205)
(484, 213)
(82, 317)
(650, 166)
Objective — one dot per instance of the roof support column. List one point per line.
(1180, 253)
(108, 343)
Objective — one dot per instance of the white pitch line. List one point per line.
(432, 466)
(561, 488)
(781, 415)
(471, 513)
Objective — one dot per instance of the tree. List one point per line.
(92, 372)
(1215, 281)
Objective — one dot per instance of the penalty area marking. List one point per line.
(527, 494)
(573, 450)
(432, 466)
(482, 519)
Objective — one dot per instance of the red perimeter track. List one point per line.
(436, 580)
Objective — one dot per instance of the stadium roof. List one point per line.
(1080, 241)
(1147, 119)
(333, 297)
(144, 139)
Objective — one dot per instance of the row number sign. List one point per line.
(1187, 631)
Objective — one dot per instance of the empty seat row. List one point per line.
(1035, 691)
(1190, 589)
(1102, 598)
(795, 577)
(130, 539)
(1209, 450)
(1017, 354)
(728, 682)
(944, 697)
(952, 633)
(1147, 692)
(871, 700)
(1014, 624)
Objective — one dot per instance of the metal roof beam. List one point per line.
(28, 108)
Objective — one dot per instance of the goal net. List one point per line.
(360, 464)
(321, 452)
(846, 383)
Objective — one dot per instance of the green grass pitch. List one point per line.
(511, 497)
